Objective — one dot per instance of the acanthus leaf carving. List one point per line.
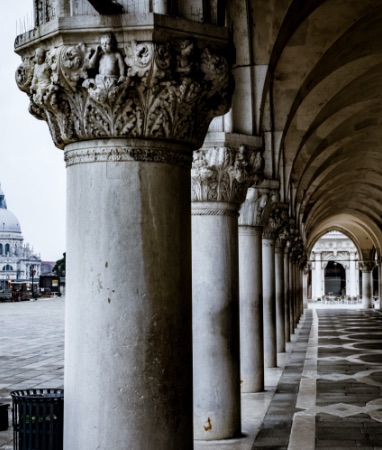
(168, 90)
(222, 174)
(252, 208)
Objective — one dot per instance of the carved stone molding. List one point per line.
(223, 174)
(156, 90)
(214, 209)
(366, 266)
(117, 150)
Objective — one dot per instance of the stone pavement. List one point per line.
(31, 349)
(326, 393)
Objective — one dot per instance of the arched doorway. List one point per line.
(335, 279)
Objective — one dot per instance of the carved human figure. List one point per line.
(108, 62)
(41, 80)
(184, 63)
(252, 209)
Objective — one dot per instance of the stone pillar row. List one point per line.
(129, 111)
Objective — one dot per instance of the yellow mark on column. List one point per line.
(209, 425)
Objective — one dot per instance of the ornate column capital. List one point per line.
(367, 266)
(277, 221)
(224, 173)
(101, 88)
(258, 204)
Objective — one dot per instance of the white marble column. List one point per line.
(215, 291)
(280, 298)
(220, 178)
(367, 283)
(128, 335)
(318, 293)
(352, 275)
(287, 295)
(305, 275)
(291, 295)
(251, 309)
(128, 299)
(269, 301)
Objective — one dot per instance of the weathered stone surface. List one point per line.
(159, 90)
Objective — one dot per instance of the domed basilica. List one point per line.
(17, 260)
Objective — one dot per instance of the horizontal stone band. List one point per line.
(116, 154)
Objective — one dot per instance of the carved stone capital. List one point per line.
(252, 208)
(276, 222)
(223, 174)
(366, 266)
(149, 90)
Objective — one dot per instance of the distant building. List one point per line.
(17, 260)
(335, 268)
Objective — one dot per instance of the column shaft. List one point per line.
(269, 303)
(367, 289)
(287, 298)
(215, 292)
(128, 344)
(251, 309)
(280, 304)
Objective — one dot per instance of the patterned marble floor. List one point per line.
(329, 392)
(325, 394)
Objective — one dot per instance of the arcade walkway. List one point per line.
(329, 382)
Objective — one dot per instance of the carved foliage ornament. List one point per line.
(147, 90)
(222, 174)
(366, 266)
(252, 209)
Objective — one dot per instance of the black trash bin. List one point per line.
(38, 419)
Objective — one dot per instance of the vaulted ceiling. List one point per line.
(323, 92)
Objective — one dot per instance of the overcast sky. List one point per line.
(32, 169)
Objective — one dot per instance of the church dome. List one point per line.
(8, 222)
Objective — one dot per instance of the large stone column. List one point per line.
(367, 283)
(352, 275)
(128, 116)
(280, 284)
(317, 277)
(269, 289)
(220, 178)
(287, 295)
(280, 305)
(251, 291)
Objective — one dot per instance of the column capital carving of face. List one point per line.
(149, 90)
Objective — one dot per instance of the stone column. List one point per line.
(270, 352)
(352, 275)
(220, 178)
(318, 277)
(367, 283)
(269, 289)
(280, 283)
(305, 275)
(251, 291)
(280, 302)
(128, 118)
(287, 294)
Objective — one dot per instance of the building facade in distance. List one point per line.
(17, 260)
